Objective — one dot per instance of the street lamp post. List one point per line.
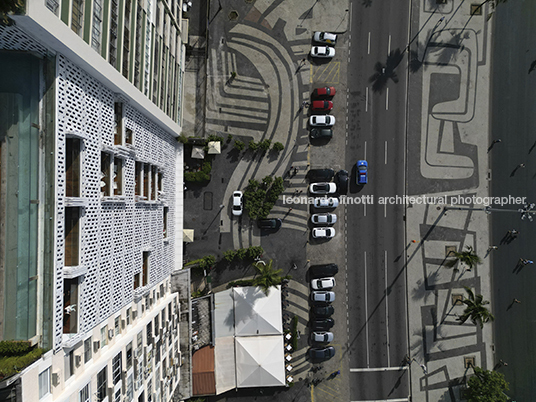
(527, 212)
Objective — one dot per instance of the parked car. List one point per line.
(318, 132)
(323, 311)
(325, 37)
(238, 203)
(362, 172)
(323, 219)
(324, 52)
(324, 92)
(321, 120)
(322, 337)
(321, 106)
(323, 233)
(342, 181)
(320, 271)
(323, 283)
(326, 202)
(269, 224)
(322, 324)
(322, 188)
(321, 354)
(322, 297)
(321, 174)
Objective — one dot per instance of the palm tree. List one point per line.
(475, 309)
(468, 257)
(267, 276)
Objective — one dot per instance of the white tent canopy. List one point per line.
(257, 313)
(214, 147)
(260, 361)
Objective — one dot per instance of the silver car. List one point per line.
(325, 37)
(323, 219)
(326, 202)
(322, 337)
(322, 297)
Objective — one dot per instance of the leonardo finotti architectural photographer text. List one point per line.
(471, 200)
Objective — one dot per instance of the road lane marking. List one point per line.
(366, 311)
(368, 47)
(389, 46)
(366, 100)
(386, 152)
(387, 311)
(364, 209)
(385, 210)
(365, 150)
(387, 99)
(372, 369)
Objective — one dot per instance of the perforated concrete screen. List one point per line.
(114, 230)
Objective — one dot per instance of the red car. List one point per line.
(325, 92)
(322, 106)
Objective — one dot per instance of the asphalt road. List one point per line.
(376, 132)
(513, 121)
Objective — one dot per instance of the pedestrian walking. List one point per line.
(514, 232)
(503, 363)
(516, 301)
(523, 261)
(493, 248)
(497, 141)
(442, 19)
(529, 262)
(521, 165)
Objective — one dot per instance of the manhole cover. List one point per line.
(233, 15)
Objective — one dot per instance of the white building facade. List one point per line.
(103, 174)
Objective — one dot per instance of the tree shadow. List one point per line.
(385, 72)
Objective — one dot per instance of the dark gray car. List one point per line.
(321, 354)
(317, 133)
(321, 271)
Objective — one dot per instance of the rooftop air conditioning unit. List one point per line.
(77, 360)
(123, 324)
(110, 334)
(96, 346)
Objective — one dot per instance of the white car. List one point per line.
(323, 283)
(322, 120)
(238, 204)
(322, 297)
(324, 219)
(323, 233)
(322, 51)
(323, 188)
(325, 37)
(326, 202)
(322, 337)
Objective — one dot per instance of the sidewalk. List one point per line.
(448, 136)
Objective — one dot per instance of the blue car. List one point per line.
(362, 172)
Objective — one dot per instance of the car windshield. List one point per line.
(362, 168)
(236, 207)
